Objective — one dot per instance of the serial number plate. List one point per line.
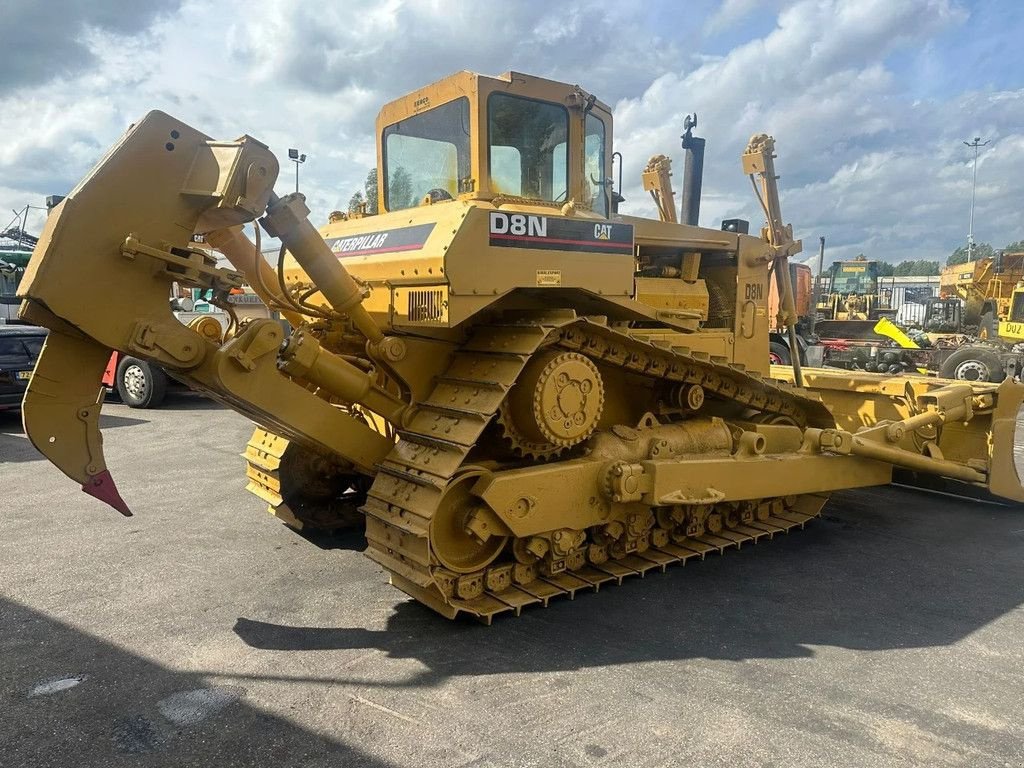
(23, 375)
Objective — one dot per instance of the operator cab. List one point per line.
(511, 138)
(1016, 314)
(943, 315)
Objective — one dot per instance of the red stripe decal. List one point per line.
(394, 249)
(599, 243)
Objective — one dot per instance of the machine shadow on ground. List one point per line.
(884, 568)
(352, 540)
(184, 400)
(15, 446)
(128, 709)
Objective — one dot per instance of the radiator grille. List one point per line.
(426, 304)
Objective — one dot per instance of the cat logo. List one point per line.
(602, 231)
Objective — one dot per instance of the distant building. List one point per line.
(914, 289)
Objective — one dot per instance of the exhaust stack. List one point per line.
(693, 171)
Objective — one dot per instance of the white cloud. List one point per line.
(728, 13)
(873, 170)
(58, 38)
(309, 75)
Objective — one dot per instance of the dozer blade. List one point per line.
(1004, 479)
(968, 451)
(61, 413)
(849, 330)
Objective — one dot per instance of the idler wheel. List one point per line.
(455, 541)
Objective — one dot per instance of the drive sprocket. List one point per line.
(555, 405)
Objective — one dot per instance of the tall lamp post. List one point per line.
(295, 157)
(974, 189)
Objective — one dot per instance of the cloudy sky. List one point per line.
(869, 100)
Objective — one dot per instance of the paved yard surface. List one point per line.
(203, 632)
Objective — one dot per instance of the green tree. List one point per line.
(356, 202)
(917, 268)
(1015, 247)
(885, 269)
(400, 190)
(370, 185)
(959, 256)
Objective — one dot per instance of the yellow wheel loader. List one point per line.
(851, 302)
(522, 392)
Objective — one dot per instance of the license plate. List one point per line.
(23, 375)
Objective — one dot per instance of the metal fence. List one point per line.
(908, 297)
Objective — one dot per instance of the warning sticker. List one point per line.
(549, 277)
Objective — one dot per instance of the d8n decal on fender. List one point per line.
(554, 233)
(518, 224)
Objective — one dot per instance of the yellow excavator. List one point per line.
(521, 391)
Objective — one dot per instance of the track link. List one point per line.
(436, 441)
(262, 465)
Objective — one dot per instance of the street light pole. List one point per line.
(974, 190)
(295, 157)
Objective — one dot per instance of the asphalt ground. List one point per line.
(202, 632)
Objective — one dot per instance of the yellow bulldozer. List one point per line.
(522, 392)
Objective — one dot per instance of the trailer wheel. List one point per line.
(140, 384)
(973, 364)
(778, 354)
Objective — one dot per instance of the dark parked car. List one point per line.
(19, 347)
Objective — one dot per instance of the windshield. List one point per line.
(860, 279)
(527, 142)
(427, 154)
(1017, 307)
(20, 351)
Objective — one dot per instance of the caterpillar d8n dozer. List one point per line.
(522, 392)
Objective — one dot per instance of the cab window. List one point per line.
(594, 165)
(527, 142)
(1017, 307)
(860, 279)
(427, 154)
